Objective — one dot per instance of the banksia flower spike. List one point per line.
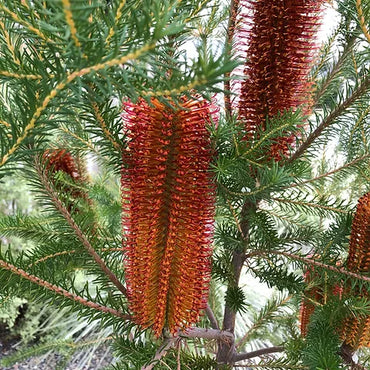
(359, 244)
(168, 207)
(314, 294)
(356, 331)
(280, 38)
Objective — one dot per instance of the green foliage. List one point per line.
(321, 349)
(235, 299)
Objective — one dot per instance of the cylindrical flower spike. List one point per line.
(359, 244)
(280, 38)
(168, 209)
(356, 331)
(314, 294)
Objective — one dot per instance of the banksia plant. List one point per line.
(168, 205)
(280, 42)
(356, 331)
(256, 196)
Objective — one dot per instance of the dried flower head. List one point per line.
(168, 206)
(60, 160)
(280, 39)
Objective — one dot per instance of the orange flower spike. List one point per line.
(168, 207)
(359, 243)
(356, 331)
(314, 294)
(280, 38)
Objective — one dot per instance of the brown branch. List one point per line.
(329, 120)
(194, 332)
(161, 352)
(261, 352)
(346, 352)
(229, 40)
(312, 262)
(226, 350)
(45, 284)
(327, 174)
(80, 235)
(221, 335)
(211, 317)
(267, 365)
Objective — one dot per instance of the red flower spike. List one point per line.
(356, 331)
(280, 38)
(168, 208)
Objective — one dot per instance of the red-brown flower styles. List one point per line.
(60, 160)
(359, 245)
(280, 39)
(168, 207)
(356, 331)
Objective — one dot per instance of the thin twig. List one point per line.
(80, 235)
(330, 119)
(327, 174)
(312, 262)
(161, 352)
(335, 69)
(362, 20)
(211, 317)
(45, 284)
(309, 204)
(229, 40)
(258, 353)
(256, 324)
(63, 84)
